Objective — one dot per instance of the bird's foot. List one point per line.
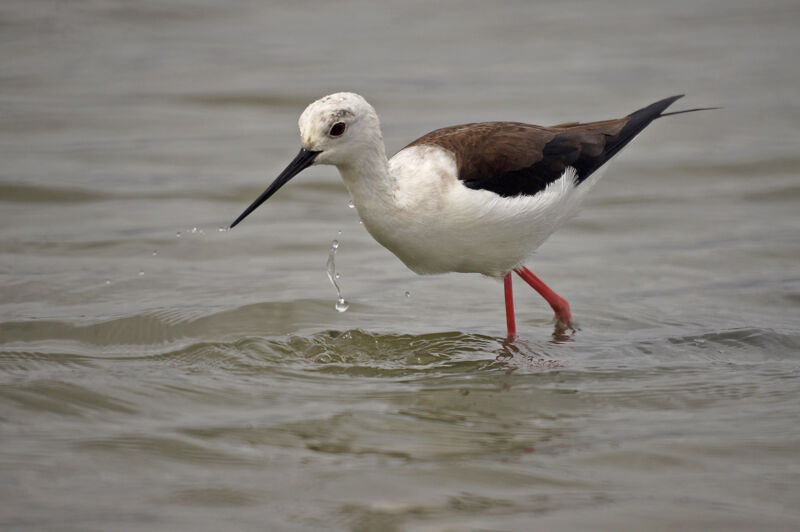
(565, 327)
(563, 315)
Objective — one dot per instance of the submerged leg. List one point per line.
(557, 303)
(510, 323)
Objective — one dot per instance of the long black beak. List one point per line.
(303, 160)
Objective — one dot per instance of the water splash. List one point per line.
(341, 304)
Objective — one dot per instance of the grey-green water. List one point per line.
(150, 381)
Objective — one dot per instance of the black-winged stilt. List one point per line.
(473, 198)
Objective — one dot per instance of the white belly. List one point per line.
(434, 224)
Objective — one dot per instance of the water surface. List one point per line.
(158, 373)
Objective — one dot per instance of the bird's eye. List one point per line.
(337, 129)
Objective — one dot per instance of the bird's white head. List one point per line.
(342, 127)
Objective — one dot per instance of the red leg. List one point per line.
(510, 323)
(559, 305)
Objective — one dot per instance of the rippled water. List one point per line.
(158, 373)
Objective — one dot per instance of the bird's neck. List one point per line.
(368, 179)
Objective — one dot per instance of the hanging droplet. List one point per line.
(222, 229)
(342, 305)
(178, 234)
(141, 272)
(155, 252)
(351, 204)
(408, 294)
(338, 275)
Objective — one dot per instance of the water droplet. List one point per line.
(361, 222)
(141, 272)
(194, 229)
(339, 232)
(408, 294)
(342, 305)
(108, 281)
(178, 234)
(351, 204)
(223, 229)
(338, 275)
(155, 252)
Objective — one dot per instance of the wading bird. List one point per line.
(473, 198)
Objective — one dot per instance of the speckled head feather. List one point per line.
(362, 128)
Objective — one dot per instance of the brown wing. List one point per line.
(512, 158)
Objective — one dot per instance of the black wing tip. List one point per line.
(654, 110)
(671, 99)
(638, 120)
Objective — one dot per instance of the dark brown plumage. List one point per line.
(513, 158)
